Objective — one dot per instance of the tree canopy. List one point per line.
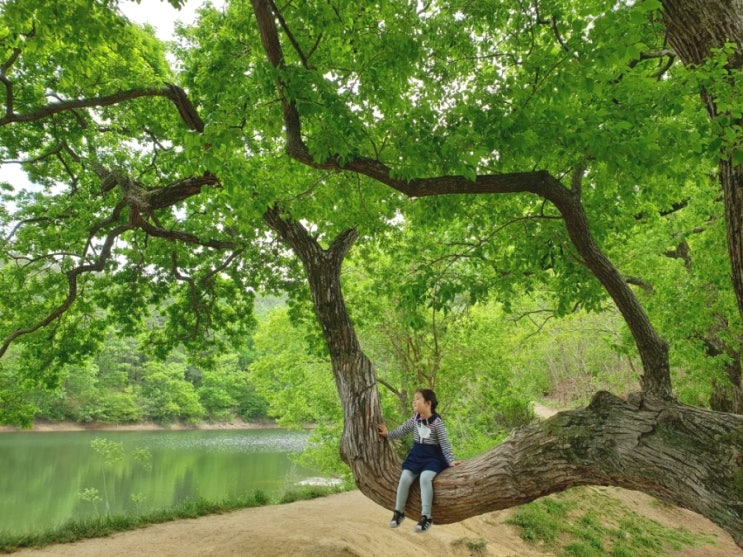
(586, 149)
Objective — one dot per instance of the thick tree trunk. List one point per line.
(686, 456)
(374, 465)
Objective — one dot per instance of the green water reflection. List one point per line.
(42, 475)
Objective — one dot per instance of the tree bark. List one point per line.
(375, 466)
(695, 29)
(686, 456)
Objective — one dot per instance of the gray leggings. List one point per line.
(403, 488)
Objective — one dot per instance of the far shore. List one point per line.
(94, 426)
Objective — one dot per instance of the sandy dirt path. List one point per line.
(349, 524)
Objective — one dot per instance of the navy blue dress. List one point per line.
(432, 450)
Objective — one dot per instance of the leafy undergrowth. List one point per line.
(584, 522)
(103, 526)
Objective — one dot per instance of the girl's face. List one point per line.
(421, 405)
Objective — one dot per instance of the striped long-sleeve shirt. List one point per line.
(438, 434)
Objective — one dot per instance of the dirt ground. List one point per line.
(349, 524)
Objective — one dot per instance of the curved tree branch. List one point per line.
(141, 203)
(139, 200)
(173, 92)
(180, 236)
(9, 95)
(72, 280)
(652, 348)
(687, 456)
(290, 35)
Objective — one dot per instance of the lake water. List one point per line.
(49, 478)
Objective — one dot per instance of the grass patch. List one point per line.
(103, 526)
(474, 546)
(305, 493)
(542, 521)
(587, 523)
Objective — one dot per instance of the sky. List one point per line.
(161, 15)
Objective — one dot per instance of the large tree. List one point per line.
(521, 460)
(322, 120)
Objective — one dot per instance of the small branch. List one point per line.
(636, 281)
(113, 218)
(222, 266)
(683, 252)
(539, 326)
(72, 284)
(388, 386)
(16, 52)
(552, 23)
(668, 55)
(72, 104)
(178, 236)
(290, 35)
(192, 290)
(9, 96)
(185, 107)
(21, 223)
(140, 202)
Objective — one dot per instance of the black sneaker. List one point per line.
(424, 523)
(397, 519)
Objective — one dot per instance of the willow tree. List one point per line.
(321, 121)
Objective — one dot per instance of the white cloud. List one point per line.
(14, 175)
(161, 15)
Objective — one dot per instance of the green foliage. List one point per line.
(720, 78)
(474, 546)
(542, 521)
(446, 291)
(15, 407)
(586, 522)
(299, 389)
(282, 363)
(116, 387)
(225, 392)
(104, 526)
(169, 397)
(486, 363)
(305, 493)
(91, 52)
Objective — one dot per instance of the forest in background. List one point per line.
(487, 366)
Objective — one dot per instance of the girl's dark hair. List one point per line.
(429, 396)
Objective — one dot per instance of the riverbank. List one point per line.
(349, 524)
(72, 426)
(539, 409)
